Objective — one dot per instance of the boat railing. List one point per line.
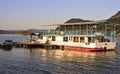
(81, 32)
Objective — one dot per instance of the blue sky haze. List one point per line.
(29, 14)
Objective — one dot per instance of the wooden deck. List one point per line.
(6, 45)
(27, 44)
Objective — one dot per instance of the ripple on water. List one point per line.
(42, 61)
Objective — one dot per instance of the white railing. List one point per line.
(82, 32)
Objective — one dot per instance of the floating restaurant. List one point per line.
(81, 36)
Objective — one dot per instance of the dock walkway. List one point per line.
(29, 45)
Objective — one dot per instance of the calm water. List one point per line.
(42, 61)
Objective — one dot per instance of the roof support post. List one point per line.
(65, 29)
(73, 29)
(87, 29)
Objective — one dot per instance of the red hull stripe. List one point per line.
(71, 48)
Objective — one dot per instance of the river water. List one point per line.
(43, 61)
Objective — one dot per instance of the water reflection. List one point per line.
(7, 48)
(43, 61)
(70, 62)
(75, 56)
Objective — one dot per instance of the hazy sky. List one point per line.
(29, 14)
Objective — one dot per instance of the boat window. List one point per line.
(82, 39)
(65, 39)
(99, 39)
(53, 38)
(104, 40)
(76, 39)
(92, 39)
(89, 39)
(107, 40)
(40, 37)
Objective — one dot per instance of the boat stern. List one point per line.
(107, 46)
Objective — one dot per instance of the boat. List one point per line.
(82, 36)
(9, 42)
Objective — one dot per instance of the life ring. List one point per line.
(62, 33)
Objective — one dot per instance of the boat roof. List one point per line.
(81, 23)
(78, 35)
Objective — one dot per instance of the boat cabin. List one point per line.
(92, 35)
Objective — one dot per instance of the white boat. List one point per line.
(83, 36)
